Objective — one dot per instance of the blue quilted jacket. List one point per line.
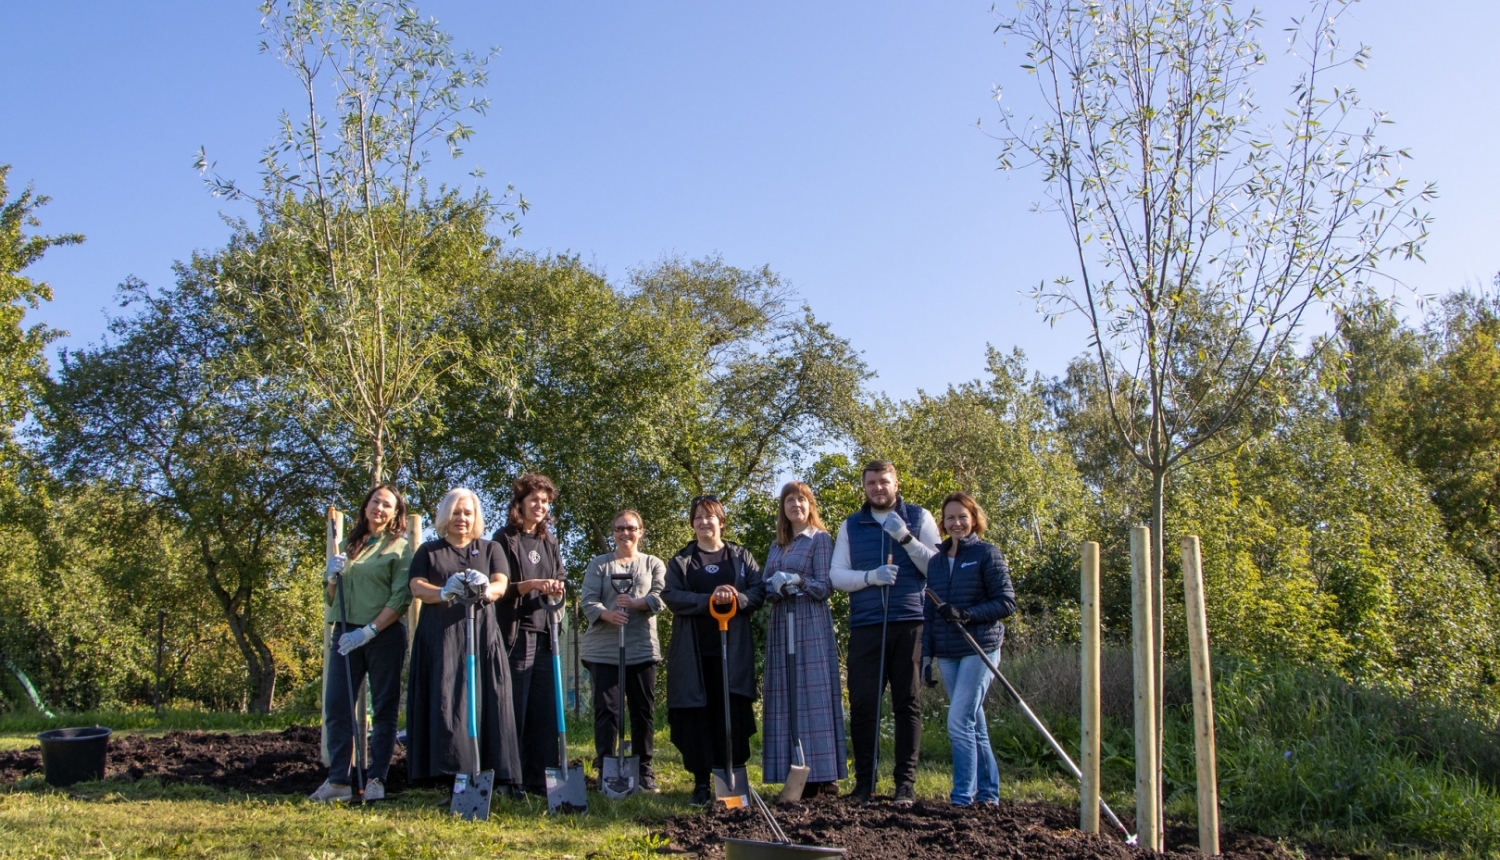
(978, 582)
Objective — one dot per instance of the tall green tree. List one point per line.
(165, 410)
(356, 260)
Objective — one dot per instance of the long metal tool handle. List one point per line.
(885, 620)
(776, 830)
(557, 686)
(1026, 709)
(359, 751)
(471, 680)
(791, 676)
(728, 713)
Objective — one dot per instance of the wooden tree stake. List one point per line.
(1147, 784)
(1088, 790)
(1203, 698)
(335, 536)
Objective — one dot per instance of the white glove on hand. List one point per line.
(895, 527)
(477, 581)
(355, 638)
(335, 567)
(883, 575)
(454, 587)
(781, 579)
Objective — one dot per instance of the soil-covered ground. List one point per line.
(285, 762)
(1035, 831)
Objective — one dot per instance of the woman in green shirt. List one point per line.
(370, 640)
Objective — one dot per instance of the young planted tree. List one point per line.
(357, 261)
(1203, 235)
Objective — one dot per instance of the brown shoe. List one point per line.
(821, 789)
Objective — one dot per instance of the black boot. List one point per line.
(703, 790)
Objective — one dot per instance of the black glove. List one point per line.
(927, 677)
(953, 615)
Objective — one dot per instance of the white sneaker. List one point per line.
(329, 793)
(374, 790)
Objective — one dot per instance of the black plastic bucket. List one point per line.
(74, 755)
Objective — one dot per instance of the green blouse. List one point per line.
(373, 581)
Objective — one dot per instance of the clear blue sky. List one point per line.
(833, 141)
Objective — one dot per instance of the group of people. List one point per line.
(887, 556)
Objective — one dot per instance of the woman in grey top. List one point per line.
(636, 610)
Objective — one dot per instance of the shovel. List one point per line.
(566, 791)
(472, 791)
(796, 773)
(732, 784)
(1016, 697)
(622, 773)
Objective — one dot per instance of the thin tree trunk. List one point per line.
(260, 664)
(1158, 530)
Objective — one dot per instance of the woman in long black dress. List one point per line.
(436, 700)
(710, 569)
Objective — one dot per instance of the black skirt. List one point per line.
(437, 733)
(698, 733)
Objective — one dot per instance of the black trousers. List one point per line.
(698, 733)
(640, 699)
(533, 694)
(380, 661)
(903, 669)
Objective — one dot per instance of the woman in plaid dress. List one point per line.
(798, 571)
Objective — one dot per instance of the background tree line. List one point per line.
(160, 491)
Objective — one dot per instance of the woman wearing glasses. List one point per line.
(634, 608)
(710, 570)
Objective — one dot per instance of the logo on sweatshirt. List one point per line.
(969, 564)
(711, 568)
(534, 556)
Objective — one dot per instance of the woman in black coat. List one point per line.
(709, 569)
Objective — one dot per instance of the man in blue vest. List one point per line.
(880, 558)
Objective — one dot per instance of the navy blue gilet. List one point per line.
(869, 546)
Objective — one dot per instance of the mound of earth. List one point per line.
(286, 762)
(1035, 831)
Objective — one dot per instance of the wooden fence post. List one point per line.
(1088, 790)
(1203, 698)
(1147, 785)
(414, 610)
(335, 536)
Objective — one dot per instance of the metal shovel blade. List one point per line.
(796, 781)
(471, 795)
(622, 777)
(748, 849)
(737, 797)
(566, 791)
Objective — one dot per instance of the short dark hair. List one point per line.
(712, 506)
(878, 466)
(526, 485)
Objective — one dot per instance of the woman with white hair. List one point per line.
(458, 563)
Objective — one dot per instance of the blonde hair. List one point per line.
(784, 534)
(445, 511)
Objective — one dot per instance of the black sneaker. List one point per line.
(906, 794)
(862, 793)
(648, 784)
(703, 795)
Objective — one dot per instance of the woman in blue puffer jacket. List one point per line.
(970, 577)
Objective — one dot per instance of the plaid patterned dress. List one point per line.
(820, 700)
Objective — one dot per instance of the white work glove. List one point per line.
(335, 567)
(781, 579)
(883, 575)
(355, 638)
(477, 581)
(455, 586)
(895, 527)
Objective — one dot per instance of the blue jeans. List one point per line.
(976, 776)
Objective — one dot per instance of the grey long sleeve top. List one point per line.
(601, 642)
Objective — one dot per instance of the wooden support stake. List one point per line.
(1088, 792)
(1203, 698)
(1147, 785)
(335, 536)
(414, 610)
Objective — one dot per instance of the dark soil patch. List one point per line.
(1035, 831)
(285, 762)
